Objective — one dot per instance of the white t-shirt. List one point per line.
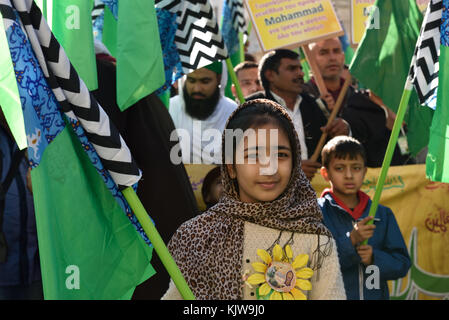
(296, 116)
(200, 140)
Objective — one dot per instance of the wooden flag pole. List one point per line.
(315, 70)
(333, 115)
(158, 243)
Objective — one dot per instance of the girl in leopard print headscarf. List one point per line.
(267, 201)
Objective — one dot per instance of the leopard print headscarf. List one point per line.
(208, 249)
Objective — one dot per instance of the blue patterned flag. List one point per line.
(234, 30)
(233, 24)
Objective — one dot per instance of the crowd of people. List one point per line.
(264, 233)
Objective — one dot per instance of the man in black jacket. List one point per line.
(283, 81)
(367, 119)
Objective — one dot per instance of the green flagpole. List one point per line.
(390, 148)
(241, 47)
(235, 80)
(158, 243)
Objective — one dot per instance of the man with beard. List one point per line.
(283, 79)
(200, 114)
(370, 123)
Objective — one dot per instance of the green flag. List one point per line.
(72, 27)
(382, 63)
(437, 162)
(87, 245)
(134, 40)
(9, 95)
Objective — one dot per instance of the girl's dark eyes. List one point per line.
(283, 155)
(256, 155)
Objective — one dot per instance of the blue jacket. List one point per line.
(19, 224)
(390, 253)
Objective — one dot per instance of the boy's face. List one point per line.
(345, 176)
(216, 190)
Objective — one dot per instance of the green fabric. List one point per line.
(305, 66)
(235, 59)
(165, 98)
(9, 94)
(382, 63)
(80, 224)
(215, 66)
(437, 162)
(140, 67)
(72, 27)
(109, 36)
(349, 55)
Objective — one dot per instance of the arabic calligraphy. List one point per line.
(439, 222)
(437, 185)
(390, 182)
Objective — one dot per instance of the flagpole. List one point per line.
(241, 47)
(333, 115)
(390, 148)
(235, 80)
(158, 243)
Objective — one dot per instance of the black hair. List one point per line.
(211, 176)
(245, 65)
(272, 61)
(250, 57)
(256, 113)
(341, 147)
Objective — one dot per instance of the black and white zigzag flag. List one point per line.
(198, 37)
(97, 10)
(74, 97)
(238, 17)
(425, 64)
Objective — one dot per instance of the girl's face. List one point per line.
(267, 164)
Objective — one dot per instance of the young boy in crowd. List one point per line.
(345, 211)
(212, 188)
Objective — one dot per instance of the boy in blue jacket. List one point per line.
(365, 268)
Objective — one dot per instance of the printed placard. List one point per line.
(291, 23)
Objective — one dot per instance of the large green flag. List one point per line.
(88, 247)
(382, 63)
(134, 40)
(72, 27)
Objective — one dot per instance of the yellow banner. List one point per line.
(291, 23)
(421, 208)
(360, 11)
